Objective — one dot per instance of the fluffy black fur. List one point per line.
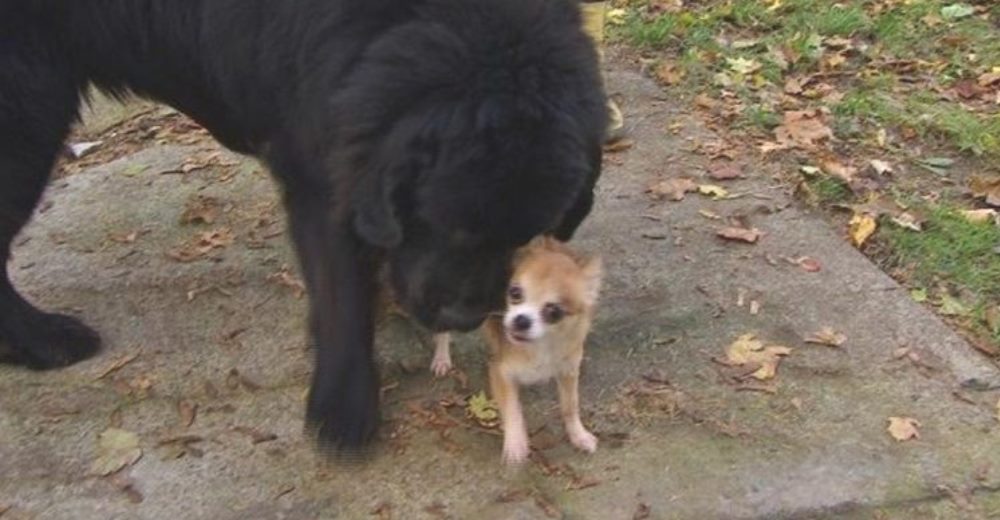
(432, 135)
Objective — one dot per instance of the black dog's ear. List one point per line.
(584, 200)
(375, 213)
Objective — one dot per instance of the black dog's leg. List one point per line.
(340, 276)
(37, 105)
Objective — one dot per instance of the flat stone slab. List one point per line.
(682, 436)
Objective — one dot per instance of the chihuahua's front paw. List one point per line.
(515, 448)
(441, 364)
(583, 440)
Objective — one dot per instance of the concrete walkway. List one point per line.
(217, 341)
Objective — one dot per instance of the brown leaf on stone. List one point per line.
(619, 146)
(642, 512)
(117, 364)
(724, 171)
(739, 234)
(117, 449)
(809, 264)
(747, 350)
(828, 337)
(127, 486)
(286, 278)
(383, 511)
(582, 482)
(903, 428)
(672, 189)
(187, 411)
(202, 244)
(201, 209)
(256, 436)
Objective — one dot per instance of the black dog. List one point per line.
(432, 135)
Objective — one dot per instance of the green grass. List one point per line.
(829, 190)
(954, 251)
(697, 37)
(950, 248)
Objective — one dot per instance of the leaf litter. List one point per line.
(116, 449)
(747, 350)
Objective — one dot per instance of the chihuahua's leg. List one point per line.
(569, 404)
(515, 433)
(441, 364)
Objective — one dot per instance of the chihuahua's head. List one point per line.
(552, 292)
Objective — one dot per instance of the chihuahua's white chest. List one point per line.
(541, 363)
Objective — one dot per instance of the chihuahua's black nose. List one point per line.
(522, 322)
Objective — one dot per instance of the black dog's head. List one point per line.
(473, 128)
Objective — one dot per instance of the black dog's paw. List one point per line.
(343, 415)
(48, 341)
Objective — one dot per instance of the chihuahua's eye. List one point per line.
(515, 294)
(552, 313)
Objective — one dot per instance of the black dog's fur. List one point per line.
(434, 135)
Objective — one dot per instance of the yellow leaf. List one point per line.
(862, 227)
(748, 349)
(743, 65)
(903, 428)
(714, 191)
(827, 336)
(116, 449)
(673, 189)
(482, 410)
(616, 16)
(980, 216)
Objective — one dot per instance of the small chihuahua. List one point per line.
(540, 336)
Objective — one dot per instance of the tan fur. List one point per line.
(548, 272)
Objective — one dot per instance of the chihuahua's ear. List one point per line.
(593, 273)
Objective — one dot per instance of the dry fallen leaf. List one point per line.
(256, 436)
(980, 216)
(740, 234)
(482, 410)
(116, 448)
(809, 264)
(668, 73)
(827, 336)
(903, 428)
(793, 85)
(725, 171)
(117, 364)
(672, 189)
(288, 279)
(833, 167)
(998, 410)
(619, 146)
(908, 220)
(987, 187)
(805, 128)
(714, 191)
(747, 349)
(881, 167)
(201, 209)
(187, 410)
(202, 245)
(861, 228)
(705, 101)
